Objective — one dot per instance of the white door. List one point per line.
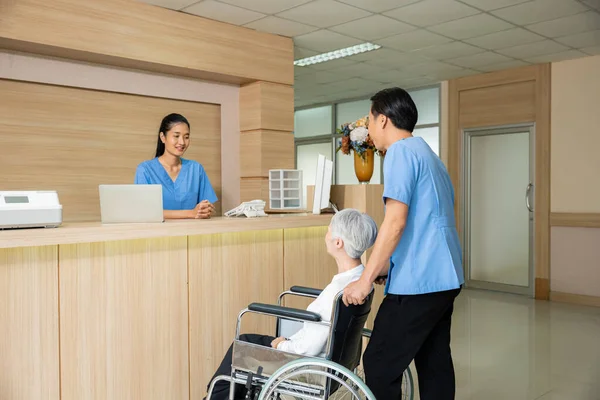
(499, 209)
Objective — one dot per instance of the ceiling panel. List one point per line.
(349, 84)
(379, 54)
(502, 65)
(565, 55)
(539, 10)
(324, 13)
(319, 77)
(172, 4)
(389, 75)
(454, 74)
(586, 39)
(479, 60)
(488, 5)
(299, 71)
(399, 60)
(570, 25)
(409, 83)
(333, 64)
(378, 6)
(266, 6)
(431, 12)
(592, 51)
(503, 39)
(470, 27)
(373, 27)
(593, 3)
(223, 12)
(413, 40)
(448, 50)
(429, 68)
(534, 49)
(359, 70)
(300, 52)
(325, 40)
(280, 26)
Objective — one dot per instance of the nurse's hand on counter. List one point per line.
(204, 209)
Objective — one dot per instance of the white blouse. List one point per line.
(312, 338)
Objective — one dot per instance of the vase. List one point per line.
(363, 166)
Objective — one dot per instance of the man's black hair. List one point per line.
(396, 104)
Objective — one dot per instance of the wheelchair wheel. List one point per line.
(408, 388)
(306, 379)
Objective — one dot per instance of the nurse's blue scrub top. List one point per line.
(428, 258)
(190, 188)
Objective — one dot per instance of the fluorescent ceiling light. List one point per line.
(333, 55)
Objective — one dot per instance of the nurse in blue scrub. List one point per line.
(187, 192)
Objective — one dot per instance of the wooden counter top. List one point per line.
(88, 232)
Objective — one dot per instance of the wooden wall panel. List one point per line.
(306, 262)
(265, 105)
(498, 105)
(263, 150)
(29, 361)
(575, 220)
(130, 34)
(72, 140)
(226, 273)
(255, 189)
(124, 320)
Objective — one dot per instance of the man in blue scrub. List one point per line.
(419, 239)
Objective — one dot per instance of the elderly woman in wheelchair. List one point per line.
(329, 333)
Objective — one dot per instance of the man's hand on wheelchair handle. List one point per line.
(276, 342)
(356, 292)
(381, 280)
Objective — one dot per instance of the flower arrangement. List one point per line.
(355, 136)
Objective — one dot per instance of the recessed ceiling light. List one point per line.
(333, 55)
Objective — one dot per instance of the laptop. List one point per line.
(131, 203)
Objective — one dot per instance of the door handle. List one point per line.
(527, 195)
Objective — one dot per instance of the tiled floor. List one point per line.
(510, 347)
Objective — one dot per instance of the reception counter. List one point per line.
(142, 311)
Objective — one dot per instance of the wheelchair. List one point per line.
(271, 374)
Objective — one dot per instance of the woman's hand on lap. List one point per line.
(276, 342)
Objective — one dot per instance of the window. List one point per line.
(313, 122)
(431, 136)
(315, 134)
(306, 160)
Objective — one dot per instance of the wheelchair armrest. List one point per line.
(306, 290)
(367, 333)
(284, 312)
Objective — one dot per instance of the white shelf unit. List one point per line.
(285, 189)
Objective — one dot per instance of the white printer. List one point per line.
(30, 209)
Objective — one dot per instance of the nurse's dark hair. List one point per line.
(398, 106)
(166, 125)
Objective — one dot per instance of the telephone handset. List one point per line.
(250, 209)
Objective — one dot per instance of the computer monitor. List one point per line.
(131, 203)
(322, 184)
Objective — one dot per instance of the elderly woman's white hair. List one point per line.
(356, 229)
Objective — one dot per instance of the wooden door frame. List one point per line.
(540, 76)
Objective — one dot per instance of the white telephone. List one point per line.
(250, 209)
